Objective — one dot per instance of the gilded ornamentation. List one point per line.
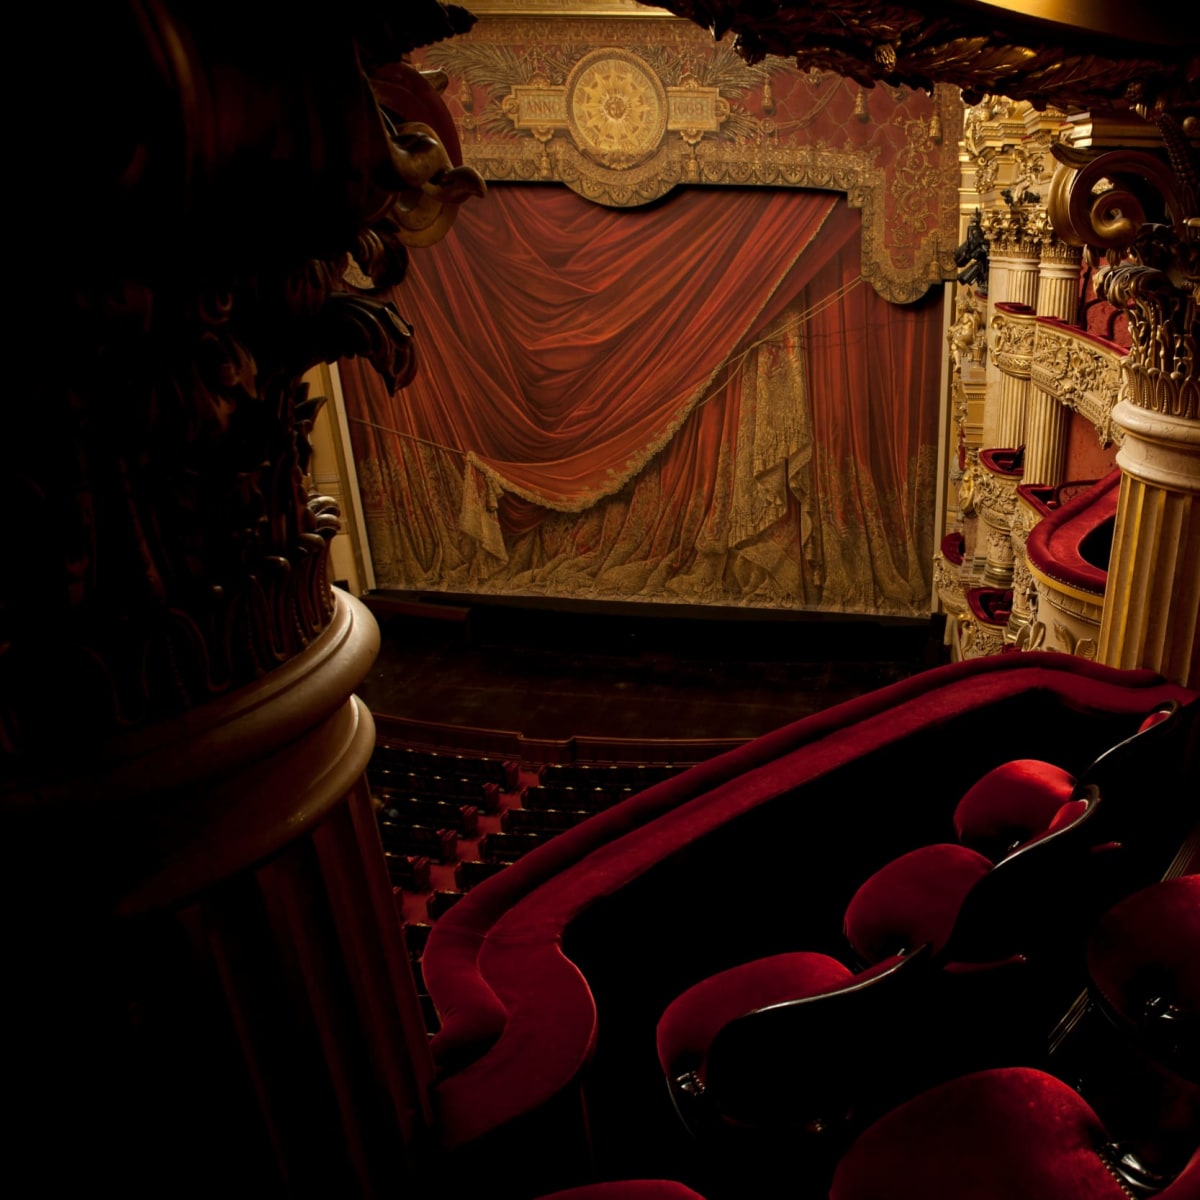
(616, 107)
(1010, 232)
(1024, 589)
(968, 486)
(1153, 269)
(553, 101)
(907, 43)
(161, 498)
(979, 640)
(968, 335)
(1012, 342)
(996, 496)
(948, 586)
(1080, 372)
(996, 503)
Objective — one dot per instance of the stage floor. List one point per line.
(556, 672)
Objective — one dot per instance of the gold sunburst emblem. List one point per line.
(616, 107)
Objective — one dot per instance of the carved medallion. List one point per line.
(616, 108)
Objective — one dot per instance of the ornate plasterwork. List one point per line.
(996, 503)
(1079, 372)
(983, 49)
(1064, 622)
(622, 112)
(1104, 202)
(947, 585)
(162, 501)
(1012, 341)
(979, 640)
(996, 496)
(1024, 590)
(968, 334)
(1018, 230)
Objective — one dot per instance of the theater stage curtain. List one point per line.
(621, 405)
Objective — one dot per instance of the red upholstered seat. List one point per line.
(1143, 961)
(1012, 803)
(520, 1025)
(915, 899)
(1004, 460)
(990, 605)
(695, 1017)
(779, 1042)
(954, 546)
(966, 907)
(728, 1045)
(1007, 1134)
(633, 1189)
(1061, 544)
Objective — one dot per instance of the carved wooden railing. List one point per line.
(204, 964)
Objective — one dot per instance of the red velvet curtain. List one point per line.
(873, 369)
(656, 377)
(554, 344)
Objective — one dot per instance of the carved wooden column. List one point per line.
(1152, 601)
(205, 974)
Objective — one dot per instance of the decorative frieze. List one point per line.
(947, 585)
(622, 111)
(1024, 598)
(1012, 339)
(1081, 372)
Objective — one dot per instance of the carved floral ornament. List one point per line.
(985, 51)
(1018, 230)
(1012, 342)
(164, 501)
(1141, 212)
(996, 501)
(1080, 373)
(616, 108)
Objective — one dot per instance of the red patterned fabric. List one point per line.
(558, 351)
(699, 401)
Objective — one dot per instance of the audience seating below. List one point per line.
(550, 977)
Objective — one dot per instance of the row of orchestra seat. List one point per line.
(433, 807)
(448, 822)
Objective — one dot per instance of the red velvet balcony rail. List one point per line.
(1058, 545)
(550, 977)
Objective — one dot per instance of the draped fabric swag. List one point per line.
(691, 402)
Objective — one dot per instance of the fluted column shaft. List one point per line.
(1047, 421)
(1012, 348)
(1012, 279)
(1152, 602)
(1046, 425)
